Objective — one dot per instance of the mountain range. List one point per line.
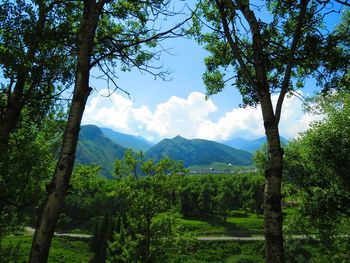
(198, 152)
(136, 143)
(102, 146)
(96, 148)
(250, 145)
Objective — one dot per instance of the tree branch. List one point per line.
(258, 51)
(118, 48)
(234, 46)
(287, 74)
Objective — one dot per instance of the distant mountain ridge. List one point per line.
(198, 152)
(102, 146)
(250, 145)
(95, 148)
(136, 143)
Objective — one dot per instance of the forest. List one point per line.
(291, 203)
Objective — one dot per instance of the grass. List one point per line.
(221, 252)
(63, 249)
(238, 224)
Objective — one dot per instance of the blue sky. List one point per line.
(163, 109)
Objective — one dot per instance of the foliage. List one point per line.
(24, 173)
(323, 56)
(262, 54)
(318, 166)
(36, 57)
(245, 259)
(145, 229)
(204, 195)
(87, 200)
(102, 234)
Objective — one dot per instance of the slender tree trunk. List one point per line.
(272, 193)
(60, 182)
(16, 99)
(10, 119)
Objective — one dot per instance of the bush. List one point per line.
(244, 259)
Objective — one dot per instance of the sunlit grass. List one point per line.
(63, 249)
(239, 224)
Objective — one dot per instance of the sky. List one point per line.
(160, 109)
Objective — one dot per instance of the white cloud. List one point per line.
(190, 117)
(179, 116)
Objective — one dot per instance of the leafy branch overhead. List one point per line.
(291, 45)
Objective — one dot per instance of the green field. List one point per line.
(16, 249)
(239, 224)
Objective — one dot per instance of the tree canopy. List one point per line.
(317, 164)
(264, 50)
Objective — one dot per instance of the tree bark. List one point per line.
(60, 182)
(272, 194)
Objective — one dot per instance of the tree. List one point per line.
(224, 200)
(268, 54)
(26, 170)
(146, 231)
(36, 60)
(87, 198)
(317, 164)
(102, 235)
(109, 32)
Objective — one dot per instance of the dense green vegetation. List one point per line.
(24, 173)
(181, 207)
(320, 175)
(64, 249)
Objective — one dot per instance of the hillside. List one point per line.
(95, 148)
(136, 143)
(198, 152)
(249, 146)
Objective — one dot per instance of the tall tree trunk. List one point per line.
(272, 193)
(260, 85)
(60, 182)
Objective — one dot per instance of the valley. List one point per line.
(102, 146)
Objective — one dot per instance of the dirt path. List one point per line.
(209, 238)
(32, 230)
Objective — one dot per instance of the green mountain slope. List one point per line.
(198, 152)
(137, 143)
(95, 148)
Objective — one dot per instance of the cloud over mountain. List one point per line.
(189, 117)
